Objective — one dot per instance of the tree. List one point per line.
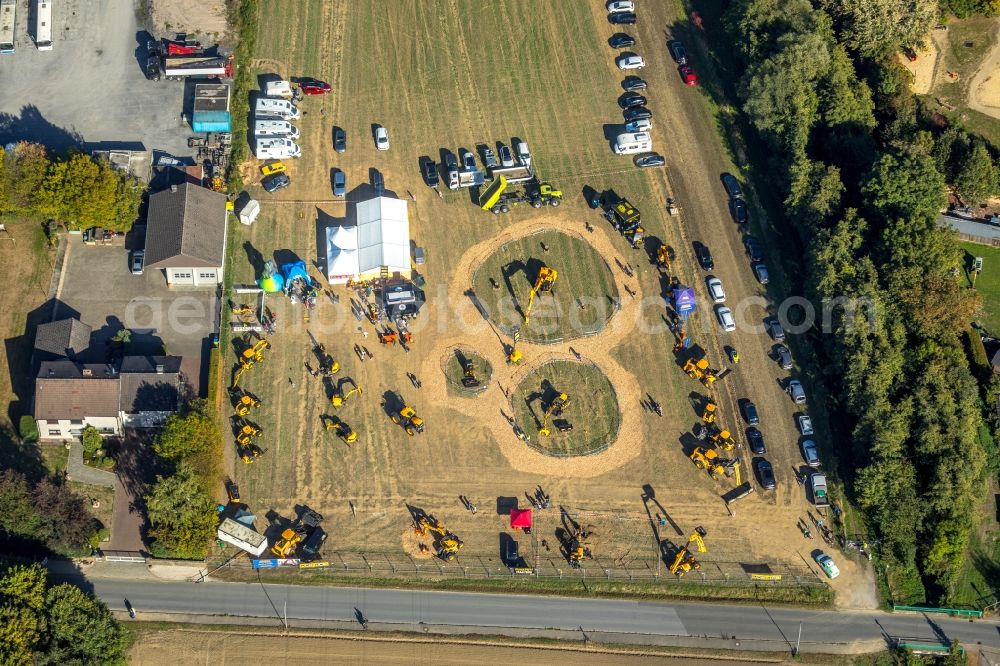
(92, 441)
(67, 525)
(182, 513)
(22, 597)
(905, 187)
(192, 435)
(29, 170)
(19, 519)
(81, 629)
(874, 28)
(976, 179)
(27, 428)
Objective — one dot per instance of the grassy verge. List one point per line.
(987, 283)
(818, 596)
(244, 20)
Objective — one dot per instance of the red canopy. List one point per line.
(520, 518)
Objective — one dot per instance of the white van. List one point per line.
(281, 109)
(281, 89)
(264, 129)
(633, 142)
(522, 153)
(276, 149)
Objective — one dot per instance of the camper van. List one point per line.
(282, 89)
(265, 129)
(633, 142)
(276, 149)
(280, 109)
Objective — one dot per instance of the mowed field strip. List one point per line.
(449, 75)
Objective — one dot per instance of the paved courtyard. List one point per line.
(97, 285)
(90, 89)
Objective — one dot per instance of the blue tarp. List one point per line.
(684, 301)
(296, 269)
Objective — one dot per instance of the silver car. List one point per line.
(797, 393)
(809, 452)
(805, 424)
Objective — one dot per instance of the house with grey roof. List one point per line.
(186, 235)
(66, 338)
(150, 390)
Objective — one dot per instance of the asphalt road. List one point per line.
(416, 610)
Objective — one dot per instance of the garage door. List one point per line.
(181, 276)
(206, 276)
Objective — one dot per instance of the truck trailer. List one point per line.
(43, 25)
(183, 66)
(8, 9)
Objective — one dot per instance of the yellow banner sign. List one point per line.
(313, 565)
(755, 576)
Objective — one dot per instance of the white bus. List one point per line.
(43, 25)
(7, 8)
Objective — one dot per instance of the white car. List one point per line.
(616, 6)
(827, 564)
(381, 138)
(630, 62)
(726, 319)
(715, 290)
(641, 125)
(805, 424)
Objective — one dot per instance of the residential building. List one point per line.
(186, 235)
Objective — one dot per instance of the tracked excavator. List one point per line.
(685, 560)
(555, 408)
(544, 283)
(469, 379)
(339, 398)
(446, 544)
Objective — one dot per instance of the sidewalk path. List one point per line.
(77, 471)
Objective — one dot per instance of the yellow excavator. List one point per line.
(446, 544)
(344, 431)
(252, 355)
(555, 408)
(469, 379)
(543, 283)
(286, 544)
(708, 414)
(724, 440)
(699, 370)
(664, 255)
(709, 460)
(407, 417)
(245, 403)
(339, 399)
(685, 560)
(249, 452)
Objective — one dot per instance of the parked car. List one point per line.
(739, 211)
(621, 41)
(314, 86)
(630, 61)
(276, 182)
(732, 186)
(726, 319)
(429, 169)
(760, 272)
(796, 391)
(621, 18)
(756, 441)
(451, 170)
(631, 83)
(651, 160)
(641, 125)
(631, 99)
(804, 424)
(715, 289)
(339, 183)
(809, 452)
(775, 329)
(677, 51)
(749, 411)
(820, 494)
(827, 564)
(766, 474)
(272, 168)
(468, 160)
(381, 138)
(704, 256)
(506, 157)
(753, 248)
(138, 257)
(615, 6)
(378, 183)
(688, 75)
(637, 113)
(339, 140)
(783, 356)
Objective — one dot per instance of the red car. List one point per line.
(314, 87)
(687, 75)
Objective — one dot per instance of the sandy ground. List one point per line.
(984, 89)
(227, 648)
(923, 68)
(202, 17)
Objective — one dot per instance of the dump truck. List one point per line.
(499, 197)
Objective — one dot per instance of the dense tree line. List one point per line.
(863, 175)
(44, 516)
(77, 190)
(179, 506)
(59, 624)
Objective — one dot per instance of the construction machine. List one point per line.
(513, 355)
(249, 452)
(723, 439)
(339, 398)
(344, 431)
(544, 282)
(303, 527)
(708, 414)
(625, 218)
(387, 337)
(555, 408)
(573, 539)
(709, 460)
(446, 544)
(254, 353)
(232, 491)
(469, 379)
(700, 370)
(241, 309)
(407, 417)
(685, 560)
(664, 255)
(245, 403)
(499, 197)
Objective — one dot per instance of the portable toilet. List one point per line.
(249, 212)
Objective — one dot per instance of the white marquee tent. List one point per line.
(380, 238)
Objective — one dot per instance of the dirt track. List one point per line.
(984, 89)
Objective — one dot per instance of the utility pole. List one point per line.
(798, 641)
(284, 618)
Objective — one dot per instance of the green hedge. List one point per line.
(28, 428)
(245, 23)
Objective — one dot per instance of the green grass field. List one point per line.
(455, 373)
(505, 279)
(987, 283)
(593, 410)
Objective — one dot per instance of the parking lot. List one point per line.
(90, 89)
(97, 284)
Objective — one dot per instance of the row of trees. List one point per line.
(60, 624)
(76, 190)
(179, 506)
(44, 516)
(863, 177)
